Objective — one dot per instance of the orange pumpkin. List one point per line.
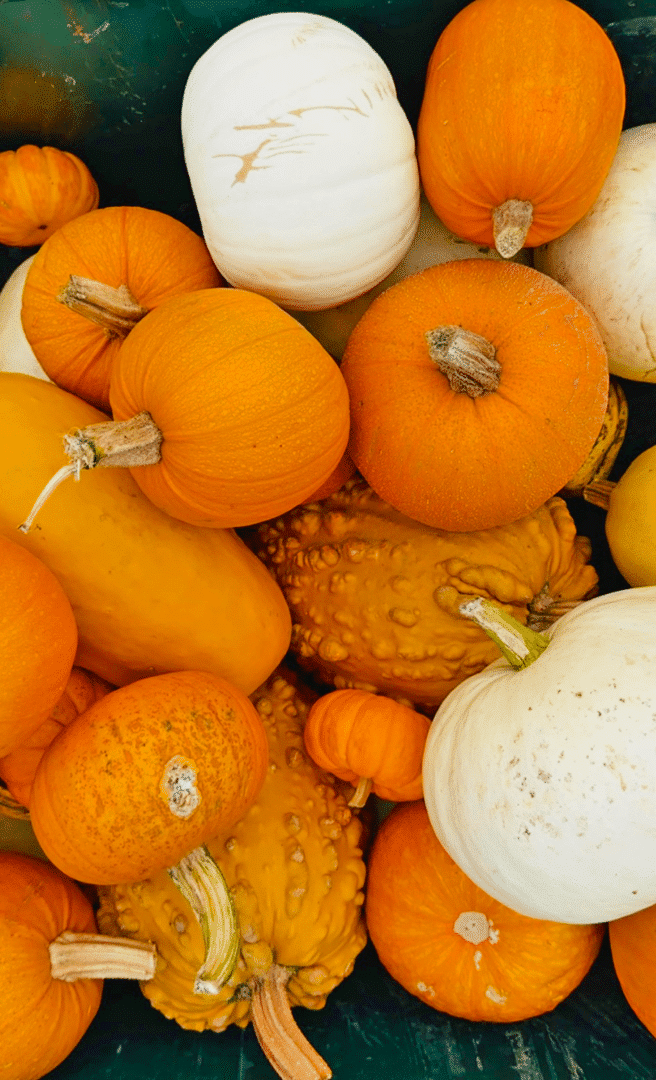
(17, 768)
(94, 279)
(370, 740)
(52, 962)
(521, 117)
(477, 389)
(41, 188)
(342, 472)
(453, 946)
(632, 944)
(149, 772)
(38, 640)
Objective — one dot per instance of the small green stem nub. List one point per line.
(520, 645)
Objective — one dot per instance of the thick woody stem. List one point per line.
(467, 359)
(511, 222)
(117, 310)
(121, 443)
(98, 956)
(520, 645)
(284, 1045)
(598, 492)
(361, 793)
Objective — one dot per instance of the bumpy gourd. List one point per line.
(295, 870)
(374, 595)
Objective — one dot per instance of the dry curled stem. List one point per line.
(99, 956)
(284, 1045)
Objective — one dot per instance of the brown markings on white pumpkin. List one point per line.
(178, 786)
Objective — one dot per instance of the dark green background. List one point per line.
(104, 78)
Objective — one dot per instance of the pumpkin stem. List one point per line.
(204, 887)
(116, 310)
(284, 1045)
(362, 792)
(511, 222)
(520, 645)
(99, 956)
(122, 443)
(467, 359)
(543, 610)
(598, 492)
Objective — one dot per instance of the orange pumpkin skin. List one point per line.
(460, 463)
(521, 101)
(253, 411)
(17, 768)
(147, 773)
(152, 253)
(354, 734)
(421, 911)
(342, 472)
(38, 640)
(41, 1018)
(632, 943)
(41, 188)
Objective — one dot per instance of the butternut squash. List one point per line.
(150, 594)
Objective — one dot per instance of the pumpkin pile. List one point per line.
(284, 538)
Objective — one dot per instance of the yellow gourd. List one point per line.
(374, 595)
(294, 868)
(630, 523)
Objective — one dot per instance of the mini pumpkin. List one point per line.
(41, 189)
(632, 942)
(477, 389)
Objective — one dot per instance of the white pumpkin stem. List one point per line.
(511, 222)
(467, 359)
(520, 645)
(117, 310)
(284, 1045)
(120, 443)
(99, 956)
(598, 492)
(361, 793)
(199, 879)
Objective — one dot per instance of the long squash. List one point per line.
(150, 594)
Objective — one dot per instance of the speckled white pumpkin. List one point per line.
(16, 353)
(541, 782)
(301, 160)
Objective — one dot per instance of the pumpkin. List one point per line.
(630, 522)
(52, 962)
(538, 771)
(218, 428)
(94, 279)
(301, 160)
(521, 116)
(18, 767)
(41, 188)
(601, 458)
(150, 594)
(477, 389)
(294, 867)
(374, 596)
(632, 941)
(183, 755)
(613, 237)
(37, 643)
(342, 472)
(15, 352)
(433, 244)
(372, 741)
(453, 946)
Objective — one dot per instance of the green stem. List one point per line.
(519, 644)
(204, 887)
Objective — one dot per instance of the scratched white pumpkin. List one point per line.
(301, 160)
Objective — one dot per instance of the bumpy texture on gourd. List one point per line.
(295, 870)
(374, 595)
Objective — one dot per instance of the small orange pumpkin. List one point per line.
(17, 768)
(521, 117)
(632, 944)
(94, 279)
(370, 740)
(38, 641)
(41, 188)
(149, 772)
(477, 389)
(453, 946)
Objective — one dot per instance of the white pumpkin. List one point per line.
(433, 244)
(301, 160)
(15, 352)
(541, 782)
(607, 260)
